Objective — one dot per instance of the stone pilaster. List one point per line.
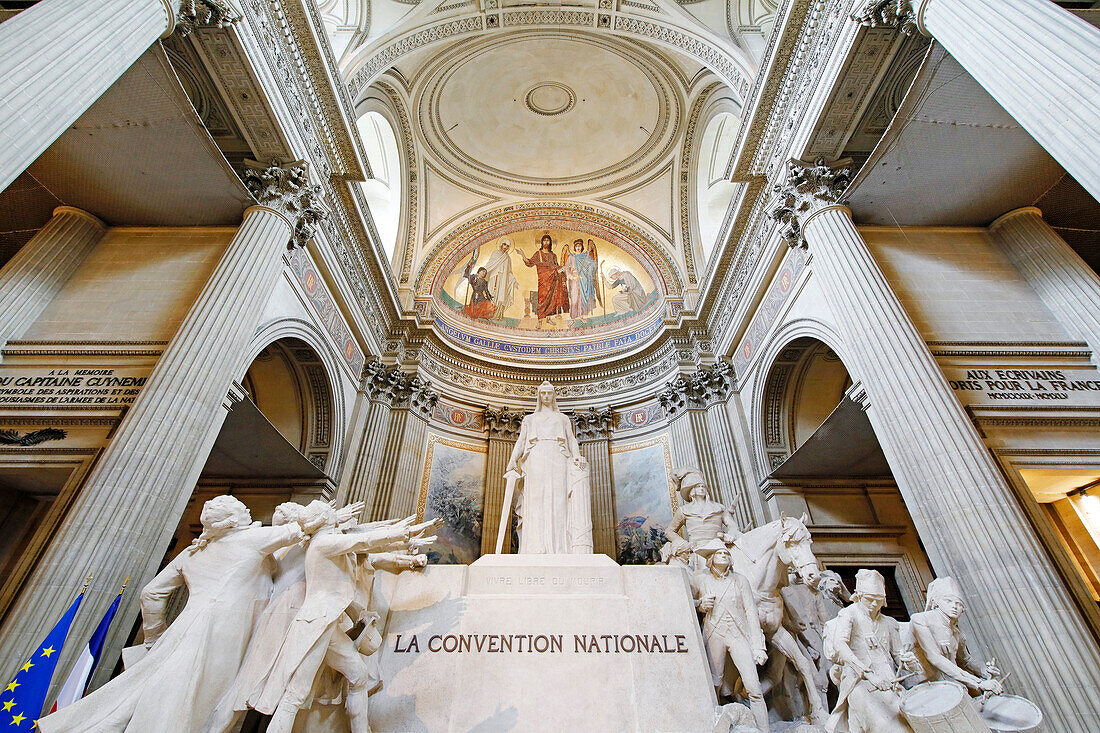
(60, 56)
(38, 271)
(124, 515)
(714, 387)
(1065, 284)
(594, 434)
(970, 520)
(404, 445)
(696, 405)
(382, 389)
(1039, 61)
(503, 425)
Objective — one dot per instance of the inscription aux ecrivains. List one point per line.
(542, 643)
(1025, 384)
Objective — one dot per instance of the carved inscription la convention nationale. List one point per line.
(543, 643)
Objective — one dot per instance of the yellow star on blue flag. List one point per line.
(23, 698)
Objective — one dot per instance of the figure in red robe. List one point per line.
(553, 296)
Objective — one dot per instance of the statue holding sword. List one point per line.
(554, 502)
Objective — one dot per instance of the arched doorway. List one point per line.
(277, 442)
(822, 459)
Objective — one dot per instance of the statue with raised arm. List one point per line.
(318, 633)
(866, 649)
(175, 686)
(699, 518)
(939, 645)
(286, 598)
(554, 505)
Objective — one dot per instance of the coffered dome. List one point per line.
(549, 112)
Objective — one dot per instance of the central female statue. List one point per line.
(554, 506)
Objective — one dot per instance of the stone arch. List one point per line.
(784, 361)
(293, 377)
(384, 100)
(716, 101)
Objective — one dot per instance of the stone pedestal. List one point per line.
(541, 643)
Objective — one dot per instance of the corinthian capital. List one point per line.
(808, 188)
(901, 14)
(286, 188)
(593, 423)
(502, 422)
(194, 14)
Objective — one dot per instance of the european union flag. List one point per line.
(22, 700)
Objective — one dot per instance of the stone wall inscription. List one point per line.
(107, 387)
(1010, 385)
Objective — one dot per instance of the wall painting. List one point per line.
(453, 488)
(645, 498)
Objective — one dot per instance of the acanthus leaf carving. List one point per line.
(593, 423)
(900, 14)
(195, 14)
(808, 188)
(503, 422)
(702, 388)
(286, 189)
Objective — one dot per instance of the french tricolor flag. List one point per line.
(77, 682)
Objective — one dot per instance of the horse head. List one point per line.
(793, 548)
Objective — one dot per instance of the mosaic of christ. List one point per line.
(549, 280)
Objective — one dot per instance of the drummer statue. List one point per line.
(865, 647)
(700, 518)
(939, 644)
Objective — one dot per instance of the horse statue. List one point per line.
(765, 556)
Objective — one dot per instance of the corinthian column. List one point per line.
(402, 459)
(57, 57)
(1065, 284)
(594, 435)
(969, 519)
(121, 521)
(503, 425)
(41, 267)
(713, 386)
(382, 389)
(1039, 61)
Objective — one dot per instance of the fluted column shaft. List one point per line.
(41, 267)
(1039, 61)
(704, 453)
(387, 463)
(363, 481)
(1065, 284)
(122, 520)
(968, 517)
(604, 522)
(56, 58)
(683, 443)
(496, 463)
(410, 464)
(734, 489)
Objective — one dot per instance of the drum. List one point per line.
(1010, 714)
(941, 707)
